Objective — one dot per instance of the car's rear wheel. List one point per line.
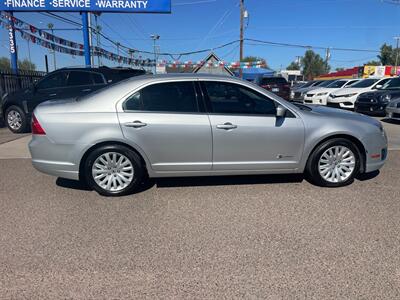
(334, 163)
(16, 119)
(113, 170)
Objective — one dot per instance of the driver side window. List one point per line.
(230, 98)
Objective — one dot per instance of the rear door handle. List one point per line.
(86, 90)
(226, 126)
(135, 124)
(52, 95)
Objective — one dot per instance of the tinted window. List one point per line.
(364, 83)
(53, 81)
(229, 98)
(325, 83)
(79, 78)
(97, 78)
(164, 97)
(337, 84)
(392, 84)
(310, 83)
(273, 80)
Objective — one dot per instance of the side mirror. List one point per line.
(378, 86)
(281, 111)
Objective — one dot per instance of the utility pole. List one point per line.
(51, 26)
(397, 38)
(98, 29)
(241, 37)
(90, 37)
(155, 37)
(119, 62)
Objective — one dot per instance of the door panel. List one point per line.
(164, 119)
(247, 135)
(172, 142)
(257, 143)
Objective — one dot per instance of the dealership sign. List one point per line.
(128, 6)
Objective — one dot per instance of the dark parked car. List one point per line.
(276, 85)
(16, 108)
(374, 102)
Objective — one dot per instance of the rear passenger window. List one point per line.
(79, 78)
(164, 97)
(97, 78)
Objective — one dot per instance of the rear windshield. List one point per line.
(273, 80)
(364, 83)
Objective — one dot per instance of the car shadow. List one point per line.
(228, 180)
(195, 181)
(390, 121)
(368, 176)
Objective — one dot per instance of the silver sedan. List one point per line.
(198, 125)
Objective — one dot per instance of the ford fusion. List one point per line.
(198, 125)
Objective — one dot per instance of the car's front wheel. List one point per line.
(334, 163)
(16, 119)
(113, 170)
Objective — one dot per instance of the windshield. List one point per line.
(317, 83)
(364, 83)
(325, 83)
(392, 84)
(337, 84)
(273, 80)
(310, 83)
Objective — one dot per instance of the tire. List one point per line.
(113, 179)
(334, 163)
(16, 119)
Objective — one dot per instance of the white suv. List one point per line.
(345, 98)
(320, 96)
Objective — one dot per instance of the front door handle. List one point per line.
(86, 90)
(135, 124)
(52, 95)
(226, 126)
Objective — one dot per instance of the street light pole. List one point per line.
(155, 37)
(241, 37)
(51, 26)
(397, 55)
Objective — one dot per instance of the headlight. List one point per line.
(322, 94)
(349, 95)
(386, 98)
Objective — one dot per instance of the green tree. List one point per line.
(387, 55)
(23, 65)
(313, 65)
(26, 65)
(254, 59)
(373, 63)
(293, 66)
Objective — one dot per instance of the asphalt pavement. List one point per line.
(256, 237)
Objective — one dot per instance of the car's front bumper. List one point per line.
(342, 102)
(370, 108)
(376, 148)
(393, 113)
(320, 100)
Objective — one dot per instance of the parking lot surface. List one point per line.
(270, 237)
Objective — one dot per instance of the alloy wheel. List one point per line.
(113, 171)
(337, 164)
(14, 119)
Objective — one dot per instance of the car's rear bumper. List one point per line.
(53, 159)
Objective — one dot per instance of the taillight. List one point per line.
(36, 127)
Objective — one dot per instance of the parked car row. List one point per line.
(376, 96)
(16, 108)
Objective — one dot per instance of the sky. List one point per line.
(204, 24)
